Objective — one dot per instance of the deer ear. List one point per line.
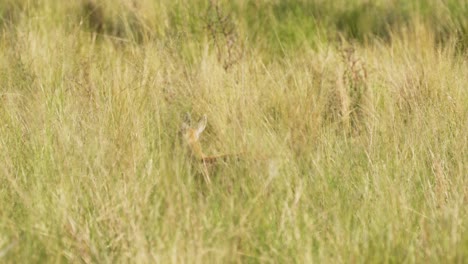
(184, 127)
(186, 123)
(201, 125)
(187, 119)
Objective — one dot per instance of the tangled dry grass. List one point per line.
(363, 107)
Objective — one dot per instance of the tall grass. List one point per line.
(360, 108)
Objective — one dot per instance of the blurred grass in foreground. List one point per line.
(361, 109)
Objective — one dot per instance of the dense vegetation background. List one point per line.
(352, 117)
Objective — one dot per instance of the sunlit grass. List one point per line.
(354, 137)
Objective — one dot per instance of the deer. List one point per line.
(191, 136)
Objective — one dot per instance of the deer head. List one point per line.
(191, 135)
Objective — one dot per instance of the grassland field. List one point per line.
(351, 117)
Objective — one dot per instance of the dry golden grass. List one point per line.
(368, 135)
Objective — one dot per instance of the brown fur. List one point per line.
(191, 135)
